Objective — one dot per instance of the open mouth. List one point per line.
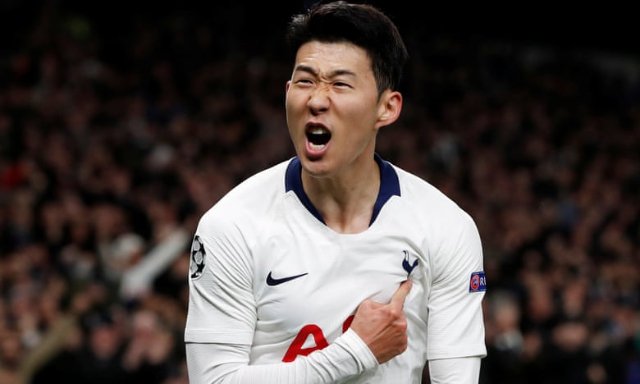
(318, 136)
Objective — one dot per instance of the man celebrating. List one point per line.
(337, 266)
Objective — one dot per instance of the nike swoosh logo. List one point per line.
(272, 282)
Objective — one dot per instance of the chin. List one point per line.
(316, 167)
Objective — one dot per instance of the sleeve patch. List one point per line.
(478, 282)
(197, 258)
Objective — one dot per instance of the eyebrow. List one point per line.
(335, 73)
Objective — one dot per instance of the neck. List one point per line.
(345, 200)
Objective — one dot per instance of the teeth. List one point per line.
(317, 131)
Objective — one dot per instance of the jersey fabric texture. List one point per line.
(267, 272)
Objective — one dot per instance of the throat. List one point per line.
(344, 208)
(345, 198)
(347, 224)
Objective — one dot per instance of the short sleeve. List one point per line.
(455, 322)
(221, 301)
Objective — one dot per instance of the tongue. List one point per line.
(315, 149)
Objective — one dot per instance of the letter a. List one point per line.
(295, 349)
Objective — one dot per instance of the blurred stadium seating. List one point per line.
(120, 123)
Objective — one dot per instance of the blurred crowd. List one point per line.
(112, 144)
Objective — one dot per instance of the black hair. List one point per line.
(360, 24)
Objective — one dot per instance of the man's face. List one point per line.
(333, 109)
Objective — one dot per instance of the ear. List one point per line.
(389, 108)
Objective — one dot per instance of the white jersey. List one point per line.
(267, 272)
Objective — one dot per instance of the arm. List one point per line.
(229, 364)
(222, 316)
(383, 325)
(456, 324)
(463, 370)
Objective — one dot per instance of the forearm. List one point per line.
(462, 370)
(227, 364)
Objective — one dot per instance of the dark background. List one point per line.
(125, 121)
(610, 28)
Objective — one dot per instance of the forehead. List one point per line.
(335, 56)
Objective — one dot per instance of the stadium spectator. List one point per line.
(539, 144)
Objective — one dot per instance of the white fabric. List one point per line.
(463, 370)
(329, 365)
(260, 229)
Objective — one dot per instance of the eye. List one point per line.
(303, 82)
(341, 84)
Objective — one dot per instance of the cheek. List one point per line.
(363, 109)
(294, 116)
(361, 117)
(289, 111)
(293, 104)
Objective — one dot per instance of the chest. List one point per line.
(313, 277)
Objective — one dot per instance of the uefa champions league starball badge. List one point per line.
(197, 258)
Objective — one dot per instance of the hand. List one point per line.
(383, 327)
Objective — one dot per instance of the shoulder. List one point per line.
(449, 233)
(444, 227)
(427, 200)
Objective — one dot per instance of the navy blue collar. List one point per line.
(389, 186)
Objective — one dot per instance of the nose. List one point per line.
(319, 99)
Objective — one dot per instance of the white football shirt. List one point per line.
(267, 272)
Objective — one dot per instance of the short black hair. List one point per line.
(360, 24)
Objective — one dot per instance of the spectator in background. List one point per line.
(539, 144)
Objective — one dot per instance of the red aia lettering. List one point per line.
(347, 323)
(295, 349)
